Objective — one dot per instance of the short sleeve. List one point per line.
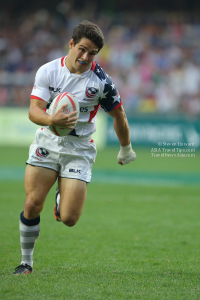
(41, 85)
(109, 98)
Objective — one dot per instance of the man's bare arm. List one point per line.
(126, 153)
(38, 115)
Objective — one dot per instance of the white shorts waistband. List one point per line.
(69, 137)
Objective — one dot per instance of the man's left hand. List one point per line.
(126, 155)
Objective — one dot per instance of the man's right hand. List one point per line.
(60, 118)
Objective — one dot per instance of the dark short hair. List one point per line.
(88, 30)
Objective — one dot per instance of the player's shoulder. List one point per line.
(101, 74)
(99, 71)
(52, 65)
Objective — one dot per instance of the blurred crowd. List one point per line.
(154, 60)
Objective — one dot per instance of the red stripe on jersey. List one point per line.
(94, 112)
(118, 105)
(62, 61)
(93, 66)
(35, 97)
(72, 102)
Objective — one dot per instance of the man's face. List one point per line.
(81, 55)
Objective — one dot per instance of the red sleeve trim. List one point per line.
(93, 65)
(118, 105)
(62, 61)
(35, 97)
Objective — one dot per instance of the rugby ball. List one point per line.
(56, 104)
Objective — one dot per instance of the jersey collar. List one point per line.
(74, 74)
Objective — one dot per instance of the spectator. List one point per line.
(155, 65)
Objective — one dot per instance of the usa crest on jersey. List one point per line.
(91, 92)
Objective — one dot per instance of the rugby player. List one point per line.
(68, 159)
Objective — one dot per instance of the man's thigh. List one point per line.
(72, 198)
(38, 181)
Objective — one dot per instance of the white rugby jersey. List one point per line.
(92, 88)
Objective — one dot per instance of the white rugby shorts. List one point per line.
(70, 156)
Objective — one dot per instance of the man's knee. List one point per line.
(32, 208)
(69, 220)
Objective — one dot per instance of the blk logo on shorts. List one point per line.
(42, 152)
(75, 171)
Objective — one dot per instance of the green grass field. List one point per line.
(138, 237)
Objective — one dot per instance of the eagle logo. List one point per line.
(91, 92)
(42, 152)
